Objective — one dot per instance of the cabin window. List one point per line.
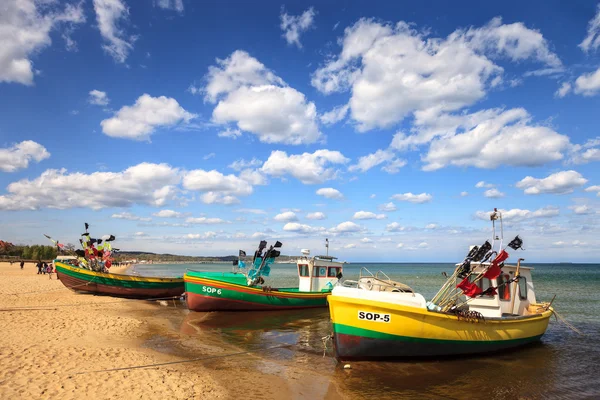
(319, 272)
(522, 288)
(303, 270)
(332, 272)
(503, 287)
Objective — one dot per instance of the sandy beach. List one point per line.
(45, 349)
(53, 340)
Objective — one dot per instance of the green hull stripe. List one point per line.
(101, 280)
(270, 299)
(366, 333)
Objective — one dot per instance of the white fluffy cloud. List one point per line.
(369, 161)
(366, 240)
(98, 98)
(413, 198)
(563, 90)
(394, 70)
(595, 188)
(294, 25)
(275, 114)
(395, 227)
(517, 214)
(588, 84)
(582, 209)
(483, 184)
(301, 228)
(431, 226)
(139, 121)
(316, 215)
(201, 236)
(493, 194)
(330, 193)
(487, 139)
(110, 14)
(205, 221)
(288, 216)
(130, 217)
(558, 183)
(347, 227)
(145, 183)
(335, 115)
(309, 168)
(257, 101)
(218, 188)
(168, 214)
(388, 207)
(25, 27)
(592, 39)
(350, 246)
(367, 215)
(21, 154)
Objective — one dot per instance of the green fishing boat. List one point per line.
(246, 291)
(129, 286)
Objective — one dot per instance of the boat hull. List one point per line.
(412, 332)
(117, 285)
(205, 293)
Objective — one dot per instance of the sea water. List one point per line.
(564, 365)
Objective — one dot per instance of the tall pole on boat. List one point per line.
(327, 247)
(512, 303)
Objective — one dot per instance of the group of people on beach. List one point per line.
(44, 268)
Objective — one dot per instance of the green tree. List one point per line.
(26, 254)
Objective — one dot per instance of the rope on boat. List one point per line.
(54, 306)
(567, 323)
(184, 361)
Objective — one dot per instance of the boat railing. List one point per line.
(379, 282)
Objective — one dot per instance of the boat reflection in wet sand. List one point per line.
(484, 306)
(266, 321)
(246, 291)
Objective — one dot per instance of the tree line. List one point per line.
(35, 252)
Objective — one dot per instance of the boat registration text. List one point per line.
(375, 317)
(211, 290)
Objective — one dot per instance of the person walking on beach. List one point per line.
(49, 270)
(39, 267)
(22, 264)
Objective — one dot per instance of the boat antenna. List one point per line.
(327, 247)
(493, 217)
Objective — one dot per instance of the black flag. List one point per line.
(516, 243)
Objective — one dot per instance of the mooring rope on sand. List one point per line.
(185, 361)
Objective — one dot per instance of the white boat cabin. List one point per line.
(318, 273)
(511, 299)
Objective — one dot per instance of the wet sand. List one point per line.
(53, 340)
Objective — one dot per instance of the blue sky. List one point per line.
(390, 128)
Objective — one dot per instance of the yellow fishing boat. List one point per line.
(377, 318)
